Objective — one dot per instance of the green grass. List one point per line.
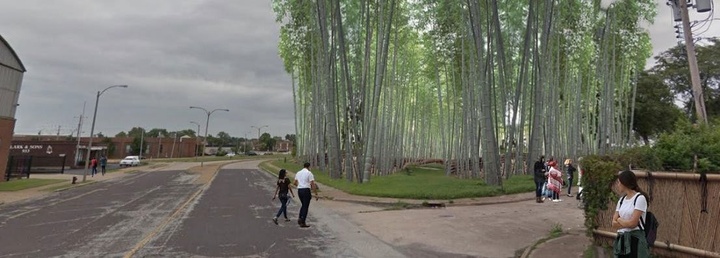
(21, 184)
(423, 182)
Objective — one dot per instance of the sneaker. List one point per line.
(559, 200)
(570, 195)
(556, 200)
(304, 225)
(275, 221)
(286, 219)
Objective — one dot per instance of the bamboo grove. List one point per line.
(379, 84)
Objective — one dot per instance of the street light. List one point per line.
(261, 127)
(92, 128)
(197, 135)
(207, 122)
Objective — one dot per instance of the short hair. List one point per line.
(306, 165)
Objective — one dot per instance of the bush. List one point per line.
(600, 173)
(679, 149)
(643, 157)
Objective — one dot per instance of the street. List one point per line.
(168, 214)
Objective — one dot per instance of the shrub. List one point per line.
(679, 149)
(643, 157)
(600, 173)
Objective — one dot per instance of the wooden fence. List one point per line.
(687, 208)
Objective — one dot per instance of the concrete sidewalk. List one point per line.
(572, 244)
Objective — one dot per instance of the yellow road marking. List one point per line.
(170, 218)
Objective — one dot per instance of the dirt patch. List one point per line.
(205, 172)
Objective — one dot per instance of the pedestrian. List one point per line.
(554, 181)
(103, 164)
(630, 209)
(281, 191)
(305, 182)
(571, 174)
(539, 176)
(94, 164)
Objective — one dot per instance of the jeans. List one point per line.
(570, 181)
(283, 206)
(94, 170)
(103, 169)
(305, 197)
(539, 183)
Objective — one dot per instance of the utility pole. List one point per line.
(77, 147)
(172, 152)
(692, 61)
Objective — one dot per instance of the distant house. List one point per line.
(11, 76)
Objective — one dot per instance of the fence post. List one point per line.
(62, 168)
(8, 169)
(29, 165)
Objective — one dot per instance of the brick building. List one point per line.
(11, 75)
(46, 146)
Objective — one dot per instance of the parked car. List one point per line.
(251, 153)
(130, 161)
(230, 154)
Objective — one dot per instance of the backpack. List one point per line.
(649, 224)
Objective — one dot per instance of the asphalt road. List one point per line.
(166, 214)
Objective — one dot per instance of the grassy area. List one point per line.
(423, 182)
(21, 184)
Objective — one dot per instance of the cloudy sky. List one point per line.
(172, 54)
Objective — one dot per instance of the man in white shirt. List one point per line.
(305, 182)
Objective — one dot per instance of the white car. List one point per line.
(230, 154)
(130, 161)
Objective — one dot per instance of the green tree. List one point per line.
(110, 146)
(121, 134)
(135, 146)
(136, 132)
(157, 132)
(224, 138)
(267, 141)
(655, 111)
(672, 68)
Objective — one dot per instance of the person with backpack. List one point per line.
(630, 213)
(281, 191)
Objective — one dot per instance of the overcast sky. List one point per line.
(172, 54)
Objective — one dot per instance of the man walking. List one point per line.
(103, 163)
(539, 176)
(305, 181)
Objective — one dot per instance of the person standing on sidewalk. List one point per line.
(629, 212)
(282, 189)
(554, 181)
(571, 174)
(93, 164)
(539, 176)
(103, 163)
(305, 182)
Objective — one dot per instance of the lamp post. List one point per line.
(258, 128)
(207, 122)
(196, 136)
(92, 128)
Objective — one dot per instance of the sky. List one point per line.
(172, 55)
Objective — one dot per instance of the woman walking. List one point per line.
(630, 210)
(554, 181)
(282, 189)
